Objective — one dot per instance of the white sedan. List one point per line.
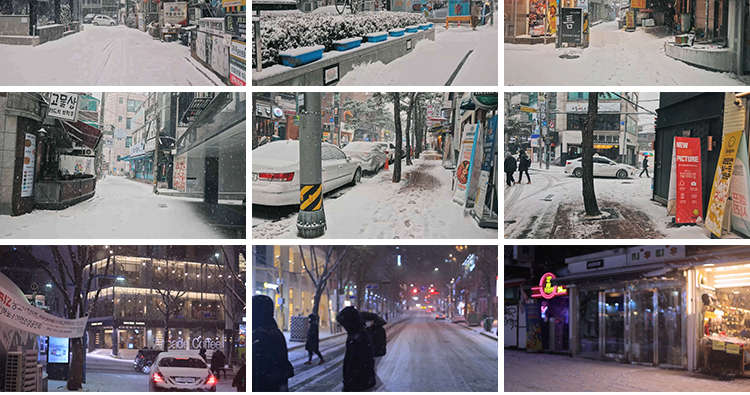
(181, 371)
(371, 155)
(276, 172)
(603, 167)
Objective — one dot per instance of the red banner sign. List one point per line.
(689, 195)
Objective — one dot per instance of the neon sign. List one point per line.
(546, 290)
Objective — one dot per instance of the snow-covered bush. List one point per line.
(287, 31)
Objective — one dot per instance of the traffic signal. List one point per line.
(415, 290)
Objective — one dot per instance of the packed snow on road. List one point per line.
(614, 57)
(560, 373)
(104, 55)
(419, 207)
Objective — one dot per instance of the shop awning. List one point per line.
(195, 108)
(620, 271)
(83, 133)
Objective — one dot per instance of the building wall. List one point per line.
(112, 110)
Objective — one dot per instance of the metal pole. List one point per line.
(548, 95)
(256, 32)
(156, 142)
(311, 221)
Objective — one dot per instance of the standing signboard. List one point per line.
(475, 166)
(463, 167)
(722, 182)
(533, 327)
(740, 188)
(689, 203)
(237, 65)
(537, 16)
(571, 25)
(63, 105)
(29, 159)
(480, 207)
(630, 20)
(458, 11)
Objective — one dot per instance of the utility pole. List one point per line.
(156, 140)
(548, 97)
(311, 221)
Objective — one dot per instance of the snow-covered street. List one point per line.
(101, 56)
(551, 206)
(472, 55)
(560, 373)
(423, 354)
(128, 209)
(419, 207)
(614, 57)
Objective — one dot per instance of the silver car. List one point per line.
(371, 155)
(603, 167)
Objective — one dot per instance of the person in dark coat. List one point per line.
(510, 168)
(359, 360)
(311, 345)
(645, 167)
(271, 366)
(374, 324)
(218, 360)
(202, 353)
(523, 166)
(240, 381)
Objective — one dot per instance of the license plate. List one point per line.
(185, 380)
(255, 176)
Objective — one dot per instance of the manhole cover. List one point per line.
(510, 222)
(548, 198)
(162, 205)
(568, 56)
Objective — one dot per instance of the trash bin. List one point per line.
(488, 324)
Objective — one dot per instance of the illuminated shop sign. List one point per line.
(546, 290)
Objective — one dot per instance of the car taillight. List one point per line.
(211, 380)
(276, 176)
(157, 377)
(568, 162)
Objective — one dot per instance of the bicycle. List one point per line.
(354, 6)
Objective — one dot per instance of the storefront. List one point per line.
(547, 317)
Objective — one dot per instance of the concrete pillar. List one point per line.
(211, 184)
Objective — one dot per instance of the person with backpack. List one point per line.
(510, 168)
(523, 166)
(359, 359)
(218, 360)
(271, 366)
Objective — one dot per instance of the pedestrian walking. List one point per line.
(476, 11)
(311, 345)
(359, 359)
(645, 167)
(523, 166)
(271, 366)
(202, 353)
(239, 380)
(218, 360)
(510, 168)
(374, 325)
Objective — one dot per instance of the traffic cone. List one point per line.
(386, 163)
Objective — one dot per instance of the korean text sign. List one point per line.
(722, 181)
(689, 195)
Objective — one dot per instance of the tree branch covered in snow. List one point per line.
(282, 32)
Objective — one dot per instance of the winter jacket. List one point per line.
(271, 366)
(312, 338)
(359, 360)
(218, 360)
(645, 162)
(523, 162)
(510, 164)
(376, 331)
(240, 380)
(476, 10)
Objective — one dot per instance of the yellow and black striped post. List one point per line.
(311, 197)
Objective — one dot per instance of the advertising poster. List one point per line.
(637, 3)
(175, 13)
(571, 25)
(672, 197)
(237, 63)
(630, 20)
(29, 159)
(537, 14)
(475, 166)
(464, 164)
(180, 174)
(722, 182)
(533, 327)
(458, 8)
(58, 350)
(739, 188)
(689, 204)
(484, 176)
(552, 17)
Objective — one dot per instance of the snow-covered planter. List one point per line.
(281, 32)
(412, 29)
(302, 55)
(396, 32)
(424, 26)
(376, 37)
(347, 43)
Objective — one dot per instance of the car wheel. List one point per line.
(96, 23)
(111, 23)
(621, 174)
(357, 177)
(377, 170)
(146, 369)
(578, 172)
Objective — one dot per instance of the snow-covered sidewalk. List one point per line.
(433, 62)
(124, 382)
(560, 373)
(419, 207)
(103, 56)
(614, 57)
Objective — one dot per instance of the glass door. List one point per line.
(588, 322)
(642, 326)
(614, 323)
(670, 326)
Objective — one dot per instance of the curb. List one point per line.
(302, 345)
(481, 333)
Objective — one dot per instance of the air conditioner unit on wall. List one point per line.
(21, 371)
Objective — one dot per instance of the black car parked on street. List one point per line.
(144, 359)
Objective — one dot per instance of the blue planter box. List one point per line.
(430, 25)
(346, 44)
(303, 55)
(396, 32)
(424, 26)
(412, 29)
(376, 37)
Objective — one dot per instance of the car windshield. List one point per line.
(278, 151)
(182, 362)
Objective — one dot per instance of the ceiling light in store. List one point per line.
(734, 285)
(732, 275)
(709, 264)
(708, 269)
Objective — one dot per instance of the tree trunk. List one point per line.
(166, 333)
(418, 131)
(397, 122)
(75, 377)
(408, 126)
(587, 143)
(319, 289)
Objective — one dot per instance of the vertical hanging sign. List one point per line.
(722, 179)
(29, 160)
(740, 191)
(689, 198)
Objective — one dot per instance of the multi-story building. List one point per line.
(118, 115)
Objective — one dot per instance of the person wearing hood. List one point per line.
(374, 324)
(311, 345)
(359, 359)
(510, 168)
(271, 366)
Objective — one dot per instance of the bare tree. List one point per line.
(397, 121)
(587, 143)
(412, 99)
(169, 284)
(73, 270)
(321, 271)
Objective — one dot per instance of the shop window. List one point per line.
(128, 123)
